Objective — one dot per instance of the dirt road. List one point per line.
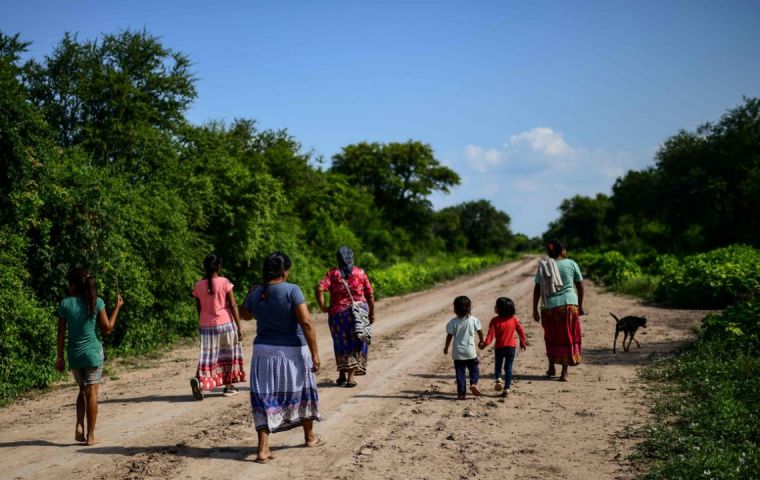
(402, 422)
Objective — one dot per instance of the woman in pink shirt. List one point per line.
(221, 355)
(502, 329)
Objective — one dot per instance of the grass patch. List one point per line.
(707, 407)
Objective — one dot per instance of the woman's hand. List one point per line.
(371, 319)
(240, 334)
(482, 345)
(315, 362)
(536, 316)
(446, 350)
(581, 311)
(119, 301)
(60, 365)
(324, 308)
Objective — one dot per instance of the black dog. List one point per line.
(628, 325)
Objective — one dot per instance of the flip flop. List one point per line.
(265, 460)
(475, 390)
(195, 385)
(320, 441)
(351, 384)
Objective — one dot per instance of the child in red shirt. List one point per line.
(502, 329)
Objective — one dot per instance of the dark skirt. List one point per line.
(350, 352)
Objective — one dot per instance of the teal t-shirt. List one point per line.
(570, 273)
(84, 348)
(463, 343)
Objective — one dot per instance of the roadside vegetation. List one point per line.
(99, 166)
(685, 233)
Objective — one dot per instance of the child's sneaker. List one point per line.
(475, 390)
(498, 386)
(505, 393)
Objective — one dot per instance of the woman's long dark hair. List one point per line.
(211, 264)
(84, 286)
(275, 266)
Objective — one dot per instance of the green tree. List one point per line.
(400, 176)
(121, 97)
(582, 221)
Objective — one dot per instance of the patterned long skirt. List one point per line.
(221, 357)
(562, 334)
(283, 387)
(350, 352)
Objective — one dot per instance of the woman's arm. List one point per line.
(304, 319)
(319, 292)
(106, 323)
(235, 314)
(579, 288)
(60, 364)
(369, 293)
(536, 298)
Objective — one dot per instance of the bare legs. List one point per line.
(310, 438)
(81, 405)
(551, 371)
(87, 406)
(350, 375)
(264, 454)
(563, 375)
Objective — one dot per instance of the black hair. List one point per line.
(84, 286)
(211, 264)
(505, 307)
(462, 306)
(554, 248)
(275, 266)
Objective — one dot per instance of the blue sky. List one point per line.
(531, 102)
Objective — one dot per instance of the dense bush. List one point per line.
(100, 167)
(406, 277)
(708, 410)
(713, 279)
(610, 268)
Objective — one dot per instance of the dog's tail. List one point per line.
(615, 317)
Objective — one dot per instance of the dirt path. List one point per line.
(402, 422)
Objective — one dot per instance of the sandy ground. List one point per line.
(401, 422)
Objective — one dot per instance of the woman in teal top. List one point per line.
(559, 284)
(79, 313)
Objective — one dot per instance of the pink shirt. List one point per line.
(214, 310)
(339, 299)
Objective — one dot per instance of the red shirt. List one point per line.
(503, 329)
(339, 299)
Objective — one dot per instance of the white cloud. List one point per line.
(530, 175)
(544, 140)
(481, 159)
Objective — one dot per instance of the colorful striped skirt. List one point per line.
(283, 387)
(221, 357)
(350, 352)
(562, 334)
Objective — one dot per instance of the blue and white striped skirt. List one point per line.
(283, 387)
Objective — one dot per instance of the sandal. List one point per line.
(351, 384)
(341, 381)
(320, 441)
(231, 391)
(265, 460)
(195, 384)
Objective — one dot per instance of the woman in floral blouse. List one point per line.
(350, 352)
